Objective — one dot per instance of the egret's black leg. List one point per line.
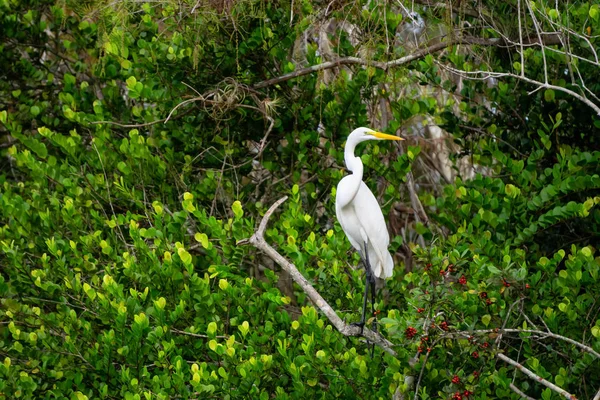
(373, 294)
(370, 281)
(361, 324)
(364, 309)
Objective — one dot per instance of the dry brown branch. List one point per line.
(536, 378)
(258, 241)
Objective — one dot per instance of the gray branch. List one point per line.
(258, 241)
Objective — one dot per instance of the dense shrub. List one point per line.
(140, 144)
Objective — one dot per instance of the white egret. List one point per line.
(361, 218)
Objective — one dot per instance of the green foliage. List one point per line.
(136, 154)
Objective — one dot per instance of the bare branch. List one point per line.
(378, 64)
(484, 75)
(543, 334)
(258, 241)
(519, 392)
(535, 377)
(597, 396)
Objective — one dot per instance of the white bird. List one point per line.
(361, 218)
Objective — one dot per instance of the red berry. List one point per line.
(442, 272)
(476, 374)
(444, 325)
(457, 396)
(488, 301)
(475, 354)
(467, 393)
(483, 295)
(463, 280)
(451, 268)
(455, 379)
(410, 332)
(527, 286)
(505, 283)
(485, 345)
(420, 349)
(420, 310)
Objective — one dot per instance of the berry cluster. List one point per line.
(410, 332)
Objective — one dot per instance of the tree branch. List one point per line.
(544, 334)
(535, 377)
(519, 392)
(484, 75)
(467, 40)
(258, 241)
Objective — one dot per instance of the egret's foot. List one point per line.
(361, 325)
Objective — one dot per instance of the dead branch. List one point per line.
(258, 241)
(467, 40)
(542, 334)
(484, 75)
(519, 392)
(535, 377)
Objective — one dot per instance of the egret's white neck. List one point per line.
(353, 163)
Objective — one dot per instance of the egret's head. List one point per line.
(362, 134)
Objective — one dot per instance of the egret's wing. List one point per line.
(370, 218)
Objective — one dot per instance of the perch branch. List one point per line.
(597, 396)
(258, 241)
(535, 377)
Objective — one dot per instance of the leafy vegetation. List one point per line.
(141, 142)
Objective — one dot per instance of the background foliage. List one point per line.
(141, 141)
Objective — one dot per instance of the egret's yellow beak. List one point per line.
(385, 136)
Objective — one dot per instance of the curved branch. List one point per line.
(377, 64)
(467, 40)
(258, 241)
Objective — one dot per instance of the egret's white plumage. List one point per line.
(358, 211)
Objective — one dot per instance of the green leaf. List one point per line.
(237, 209)
(493, 269)
(186, 257)
(549, 95)
(202, 238)
(486, 319)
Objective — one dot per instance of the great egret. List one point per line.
(361, 218)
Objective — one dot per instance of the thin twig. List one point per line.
(499, 338)
(535, 377)
(196, 335)
(258, 241)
